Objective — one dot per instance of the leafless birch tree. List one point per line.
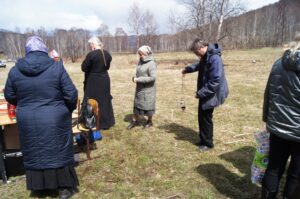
(135, 21)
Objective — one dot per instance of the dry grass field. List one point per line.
(163, 162)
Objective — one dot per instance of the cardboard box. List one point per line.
(11, 137)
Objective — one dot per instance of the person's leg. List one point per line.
(149, 122)
(205, 126)
(278, 156)
(134, 122)
(150, 119)
(135, 118)
(292, 186)
(67, 181)
(65, 193)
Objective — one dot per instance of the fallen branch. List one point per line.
(173, 197)
(236, 141)
(240, 135)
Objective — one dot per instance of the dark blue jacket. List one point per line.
(45, 97)
(212, 88)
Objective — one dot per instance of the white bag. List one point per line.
(260, 161)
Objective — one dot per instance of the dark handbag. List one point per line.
(86, 118)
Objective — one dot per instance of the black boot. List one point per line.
(132, 124)
(265, 194)
(148, 124)
(38, 194)
(65, 193)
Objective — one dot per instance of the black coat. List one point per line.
(281, 110)
(212, 88)
(45, 97)
(97, 85)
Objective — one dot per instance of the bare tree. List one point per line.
(103, 30)
(222, 9)
(106, 36)
(60, 41)
(42, 33)
(29, 32)
(135, 21)
(218, 20)
(177, 22)
(121, 39)
(75, 44)
(149, 26)
(202, 15)
(196, 15)
(19, 43)
(281, 17)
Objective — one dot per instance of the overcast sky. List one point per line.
(87, 14)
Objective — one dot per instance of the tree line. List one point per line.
(223, 21)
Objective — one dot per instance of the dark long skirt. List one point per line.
(97, 86)
(64, 177)
(142, 112)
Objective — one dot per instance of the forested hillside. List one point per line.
(269, 26)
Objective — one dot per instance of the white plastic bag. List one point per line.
(260, 160)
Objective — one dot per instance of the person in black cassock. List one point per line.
(45, 97)
(97, 81)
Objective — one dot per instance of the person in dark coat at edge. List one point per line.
(45, 97)
(281, 112)
(97, 81)
(212, 89)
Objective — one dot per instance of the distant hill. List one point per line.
(3, 30)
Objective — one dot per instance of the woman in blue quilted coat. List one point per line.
(45, 97)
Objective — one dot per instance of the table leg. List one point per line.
(2, 165)
(88, 151)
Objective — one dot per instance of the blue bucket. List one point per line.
(97, 135)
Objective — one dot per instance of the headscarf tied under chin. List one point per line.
(35, 43)
(146, 50)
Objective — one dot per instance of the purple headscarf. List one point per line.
(35, 43)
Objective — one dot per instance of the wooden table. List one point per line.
(5, 120)
(11, 140)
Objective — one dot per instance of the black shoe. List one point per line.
(53, 193)
(38, 194)
(65, 193)
(265, 194)
(204, 148)
(148, 125)
(132, 124)
(198, 144)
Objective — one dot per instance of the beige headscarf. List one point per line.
(146, 50)
(96, 41)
